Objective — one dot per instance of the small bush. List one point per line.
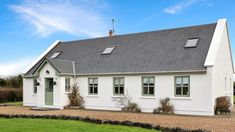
(127, 104)
(222, 105)
(131, 107)
(165, 107)
(11, 95)
(75, 100)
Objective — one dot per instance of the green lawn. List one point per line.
(15, 103)
(42, 125)
(234, 99)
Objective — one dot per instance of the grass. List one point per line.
(20, 103)
(234, 99)
(42, 125)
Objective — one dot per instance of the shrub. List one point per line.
(127, 104)
(75, 100)
(165, 107)
(222, 105)
(7, 95)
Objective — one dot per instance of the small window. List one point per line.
(148, 85)
(182, 86)
(118, 85)
(35, 90)
(191, 43)
(108, 50)
(93, 86)
(67, 85)
(55, 54)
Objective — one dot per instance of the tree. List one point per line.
(74, 97)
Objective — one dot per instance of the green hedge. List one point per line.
(11, 95)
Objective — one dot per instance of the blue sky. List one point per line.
(29, 27)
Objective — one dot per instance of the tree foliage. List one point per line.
(12, 82)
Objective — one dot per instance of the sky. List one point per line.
(29, 27)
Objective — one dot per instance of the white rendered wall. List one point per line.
(29, 99)
(199, 102)
(223, 67)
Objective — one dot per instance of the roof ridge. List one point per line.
(136, 33)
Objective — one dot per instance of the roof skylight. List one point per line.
(108, 50)
(55, 54)
(191, 43)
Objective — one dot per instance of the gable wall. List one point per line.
(222, 69)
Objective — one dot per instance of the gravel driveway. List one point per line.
(221, 123)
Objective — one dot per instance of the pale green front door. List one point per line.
(49, 91)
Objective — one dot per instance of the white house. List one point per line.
(190, 65)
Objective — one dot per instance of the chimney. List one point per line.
(110, 33)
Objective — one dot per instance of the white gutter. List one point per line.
(41, 56)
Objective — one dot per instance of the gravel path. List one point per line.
(221, 123)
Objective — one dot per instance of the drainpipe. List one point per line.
(74, 72)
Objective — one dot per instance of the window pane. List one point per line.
(95, 90)
(90, 81)
(145, 80)
(116, 90)
(145, 90)
(116, 82)
(185, 80)
(178, 91)
(95, 81)
(178, 80)
(122, 81)
(151, 80)
(151, 90)
(91, 90)
(121, 90)
(185, 91)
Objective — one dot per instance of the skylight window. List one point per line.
(191, 43)
(55, 54)
(108, 50)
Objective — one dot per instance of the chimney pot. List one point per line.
(110, 33)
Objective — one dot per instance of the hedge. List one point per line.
(98, 121)
(11, 95)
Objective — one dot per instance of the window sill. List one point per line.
(147, 97)
(67, 92)
(118, 96)
(92, 96)
(35, 95)
(181, 98)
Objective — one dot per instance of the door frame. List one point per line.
(46, 91)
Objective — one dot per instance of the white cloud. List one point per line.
(80, 18)
(14, 67)
(179, 7)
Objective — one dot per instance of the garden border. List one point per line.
(98, 121)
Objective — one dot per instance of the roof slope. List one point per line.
(63, 66)
(156, 51)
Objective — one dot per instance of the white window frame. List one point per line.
(92, 86)
(148, 86)
(182, 86)
(118, 86)
(67, 84)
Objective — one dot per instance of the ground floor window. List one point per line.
(148, 85)
(67, 84)
(35, 90)
(118, 85)
(182, 86)
(93, 86)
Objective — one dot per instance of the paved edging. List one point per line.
(98, 121)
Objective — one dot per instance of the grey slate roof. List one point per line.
(155, 51)
(62, 66)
